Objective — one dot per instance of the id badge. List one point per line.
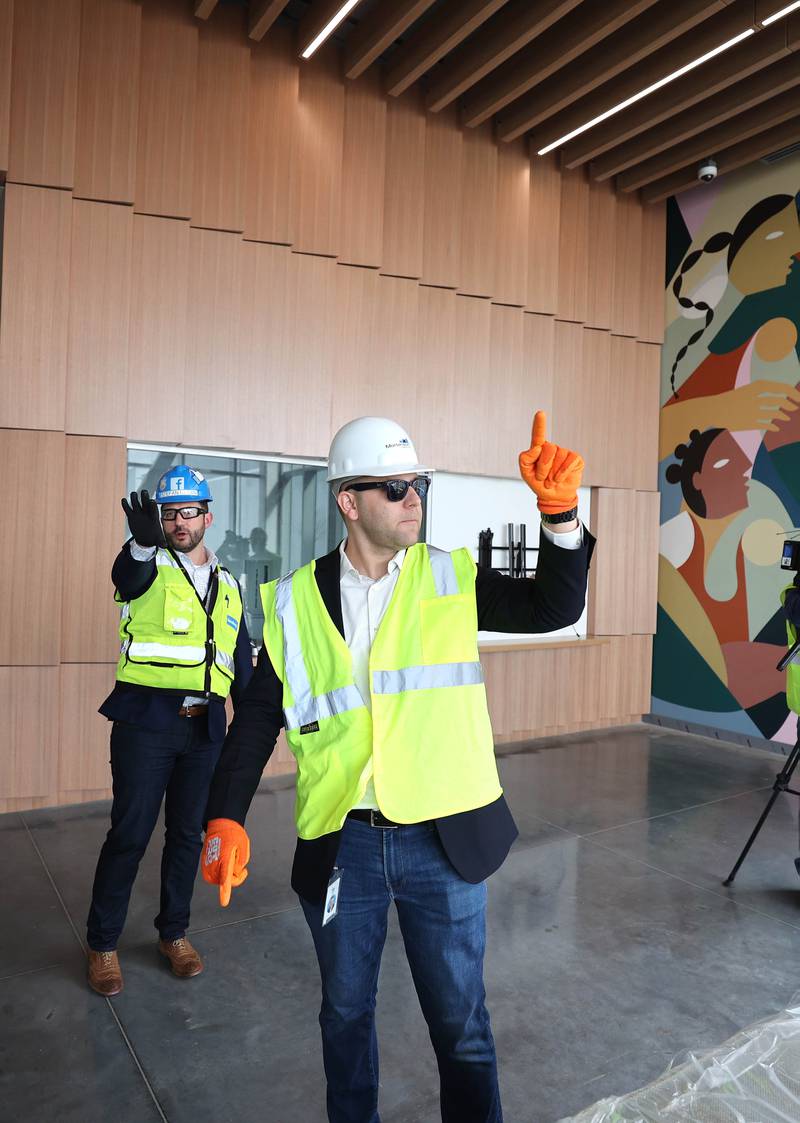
(332, 897)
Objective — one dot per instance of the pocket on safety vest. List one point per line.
(178, 610)
(449, 628)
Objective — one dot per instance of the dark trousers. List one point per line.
(442, 921)
(146, 766)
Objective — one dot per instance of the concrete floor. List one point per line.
(612, 946)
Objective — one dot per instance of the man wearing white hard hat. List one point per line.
(370, 663)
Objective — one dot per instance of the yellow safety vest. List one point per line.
(170, 641)
(429, 734)
(793, 670)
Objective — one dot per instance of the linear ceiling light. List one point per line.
(650, 89)
(329, 27)
(779, 15)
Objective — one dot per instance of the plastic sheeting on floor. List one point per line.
(753, 1078)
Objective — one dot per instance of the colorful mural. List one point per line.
(729, 450)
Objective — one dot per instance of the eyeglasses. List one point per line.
(395, 489)
(184, 512)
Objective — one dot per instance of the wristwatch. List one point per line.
(561, 517)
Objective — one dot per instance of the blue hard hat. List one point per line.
(182, 482)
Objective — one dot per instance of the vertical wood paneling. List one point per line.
(273, 96)
(645, 359)
(83, 757)
(626, 298)
(573, 247)
(473, 373)
(94, 483)
(312, 333)
(320, 137)
(363, 171)
(479, 159)
(213, 334)
(566, 425)
(30, 604)
(158, 344)
(404, 192)
(220, 138)
(544, 233)
(6, 35)
(436, 380)
(165, 147)
(44, 85)
(511, 224)
(653, 268)
(611, 577)
(99, 318)
(601, 253)
(441, 251)
(539, 365)
(29, 762)
(33, 319)
(646, 516)
(583, 406)
(507, 410)
(108, 100)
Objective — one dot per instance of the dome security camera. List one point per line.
(707, 170)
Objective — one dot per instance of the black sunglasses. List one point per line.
(184, 512)
(395, 489)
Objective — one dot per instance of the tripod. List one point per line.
(781, 785)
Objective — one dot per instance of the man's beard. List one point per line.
(186, 545)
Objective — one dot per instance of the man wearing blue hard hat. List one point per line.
(183, 648)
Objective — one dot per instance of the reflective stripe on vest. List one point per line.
(224, 660)
(444, 572)
(174, 652)
(430, 677)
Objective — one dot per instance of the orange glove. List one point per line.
(226, 852)
(554, 473)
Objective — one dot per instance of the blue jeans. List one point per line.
(442, 921)
(146, 766)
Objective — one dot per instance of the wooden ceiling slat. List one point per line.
(744, 125)
(204, 8)
(652, 31)
(440, 34)
(709, 34)
(378, 30)
(726, 70)
(771, 140)
(508, 32)
(263, 14)
(552, 50)
(713, 111)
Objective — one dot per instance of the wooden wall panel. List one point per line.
(437, 382)
(273, 97)
(363, 171)
(316, 217)
(479, 160)
(473, 374)
(108, 100)
(404, 192)
(312, 333)
(646, 360)
(158, 335)
(6, 34)
(214, 331)
(44, 84)
(653, 268)
(441, 251)
(646, 515)
(573, 247)
(33, 546)
(165, 146)
(33, 347)
(507, 409)
(220, 137)
(94, 482)
(626, 295)
(544, 234)
(29, 761)
(99, 318)
(581, 409)
(601, 253)
(611, 577)
(539, 364)
(83, 755)
(511, 224)
(566, 424)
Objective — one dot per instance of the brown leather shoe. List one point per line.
(184, 959)
(104, 973)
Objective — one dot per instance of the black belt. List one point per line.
(377, 818)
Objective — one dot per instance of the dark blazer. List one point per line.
(158, 709)
(476, 842)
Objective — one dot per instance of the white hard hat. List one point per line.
(371, 446)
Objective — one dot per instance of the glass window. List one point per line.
(270, 516)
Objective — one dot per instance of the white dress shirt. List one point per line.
(364, 602)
